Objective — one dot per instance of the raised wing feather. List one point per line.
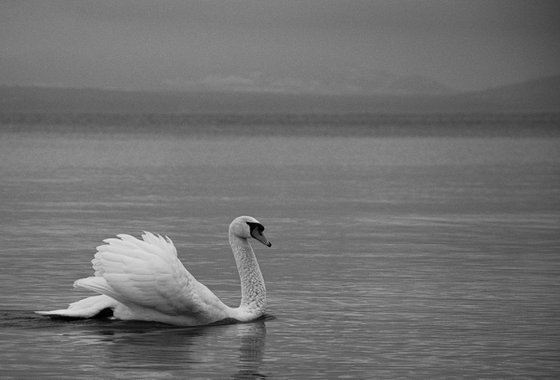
(146, 274)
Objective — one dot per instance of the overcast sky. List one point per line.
(181, 44)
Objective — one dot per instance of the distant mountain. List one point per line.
(417, 85)
(345, 82)
(540, 95)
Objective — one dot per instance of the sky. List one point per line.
(277, 45)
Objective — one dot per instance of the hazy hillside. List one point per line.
(541, 95)
(535, 95)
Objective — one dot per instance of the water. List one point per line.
(394, 255)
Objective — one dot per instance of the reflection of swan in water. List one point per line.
(150, 350)
(144, 280)
(251, 350)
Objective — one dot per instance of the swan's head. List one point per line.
(247, 227)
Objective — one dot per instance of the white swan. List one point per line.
(144, 280)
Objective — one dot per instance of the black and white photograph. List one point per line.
(279, 189)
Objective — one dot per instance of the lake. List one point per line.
(403, 247)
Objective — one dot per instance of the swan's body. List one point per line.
(144, 280)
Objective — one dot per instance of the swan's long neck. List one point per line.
(253, 291)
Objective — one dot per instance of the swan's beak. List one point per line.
(258, 235)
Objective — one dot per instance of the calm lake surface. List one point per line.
(395, 254)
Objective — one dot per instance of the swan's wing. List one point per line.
(147, 273)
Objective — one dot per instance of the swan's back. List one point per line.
(149, 280)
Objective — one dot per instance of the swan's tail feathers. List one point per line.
(98, 285)
(86, 308)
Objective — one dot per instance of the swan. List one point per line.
(142, 279)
